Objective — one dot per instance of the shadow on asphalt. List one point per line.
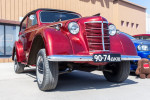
(78, 80)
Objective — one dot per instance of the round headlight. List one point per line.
(112, 29)
(142, 47)
(73, 27)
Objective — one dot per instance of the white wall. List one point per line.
(148, 23)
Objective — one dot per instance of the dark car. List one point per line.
(142, 47)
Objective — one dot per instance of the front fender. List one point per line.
(56, 42)
(18, 49)
(124, 45)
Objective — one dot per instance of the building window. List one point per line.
(1, 39)
(122, 23)
(127, 24)
(137, 26)
(8, 35)
(132, 25)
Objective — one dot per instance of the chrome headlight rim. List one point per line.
(142, 47)
(112, 29)
(71, 29)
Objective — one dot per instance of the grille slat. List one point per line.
(97, 35)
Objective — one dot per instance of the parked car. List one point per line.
(142, 36)
(142, 47)
(59, 41)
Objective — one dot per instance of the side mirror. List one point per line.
(118, 31)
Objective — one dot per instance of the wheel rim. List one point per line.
(15, 62)
(113, 67)
(40, 69)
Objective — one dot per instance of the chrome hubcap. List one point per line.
(40, 69)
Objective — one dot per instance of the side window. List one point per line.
(23, 26)
(146, 37)
(140, 37)
(137, 37)
(32, 20)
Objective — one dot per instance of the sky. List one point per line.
(145, 3)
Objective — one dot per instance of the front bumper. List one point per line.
(144, 54)
(85, 58)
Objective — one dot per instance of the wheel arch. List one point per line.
(13, 52)
(37, 44)
(54, 42)
(18, 48)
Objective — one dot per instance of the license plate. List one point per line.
(106, 58)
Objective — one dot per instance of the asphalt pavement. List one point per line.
(71, 86)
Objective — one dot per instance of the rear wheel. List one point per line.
(18, 67)
(119, 71)
(46, 72)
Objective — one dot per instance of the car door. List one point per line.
(30, 32)
(22, 32)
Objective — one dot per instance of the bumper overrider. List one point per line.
(86, 58)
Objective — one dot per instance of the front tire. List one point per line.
(46, 72)
(18, 67)
(120, 71)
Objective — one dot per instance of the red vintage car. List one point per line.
(59, 41)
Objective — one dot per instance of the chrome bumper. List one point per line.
(85, 58)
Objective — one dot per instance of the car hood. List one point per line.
(146, 42)
(138, 42)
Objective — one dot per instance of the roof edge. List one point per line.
(47, 9)
(3, 21)
(132, 3)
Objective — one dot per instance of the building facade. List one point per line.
(128, 17)
(147, 23)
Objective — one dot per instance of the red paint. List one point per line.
(62, 42)
(146, 65)
(141, 35)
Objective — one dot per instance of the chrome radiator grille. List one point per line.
(97, 35)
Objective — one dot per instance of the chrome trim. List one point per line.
(69, 58)
(103, 36)
(56, 24)
(102, 30)
(41, 28)
(96, 36)
(96, 29)
(97, 51)
(85, 58)
(126, 57)
(98, 43)
(97, 22)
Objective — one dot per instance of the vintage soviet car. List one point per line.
(58, 41)
(142, 47)
(142, 36)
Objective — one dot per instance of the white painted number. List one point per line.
(98, 57)
(106, 58)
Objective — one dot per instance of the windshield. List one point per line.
(129, 36)
(49, 16)
(143, 37)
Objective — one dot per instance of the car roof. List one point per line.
(45, 9)
(142, 35)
